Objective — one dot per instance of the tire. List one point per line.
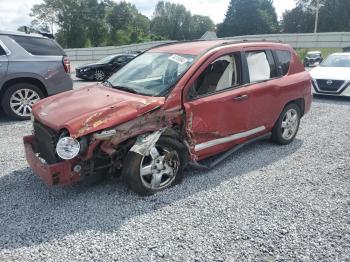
(149, 184)
(100, 75)
(287, 125)
(14, 97)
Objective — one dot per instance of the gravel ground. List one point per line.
(265, 203)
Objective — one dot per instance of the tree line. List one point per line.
(85, 23)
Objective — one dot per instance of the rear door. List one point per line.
(264, 86)
(3, 62)
(218, 105)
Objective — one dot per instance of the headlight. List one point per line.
(67, 148)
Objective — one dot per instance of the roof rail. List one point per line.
(176, 42)
(28, 30)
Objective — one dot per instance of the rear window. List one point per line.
(39, 46)
(261, 65)
(284, 58)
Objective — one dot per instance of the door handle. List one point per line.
(241, 97)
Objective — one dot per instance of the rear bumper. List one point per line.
(65, 84)
(56, 174)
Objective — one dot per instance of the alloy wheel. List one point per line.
(159, 169)
(22, 100)
(100, 75)
(290, 124)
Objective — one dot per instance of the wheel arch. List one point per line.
(30, 80)
(300, 102)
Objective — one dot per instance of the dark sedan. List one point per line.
(102, 69)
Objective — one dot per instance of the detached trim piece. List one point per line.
(227, 139)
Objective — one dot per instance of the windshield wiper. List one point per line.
(107, 83)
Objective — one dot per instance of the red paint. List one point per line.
(62, 170)
(91, 109)
(96, 107)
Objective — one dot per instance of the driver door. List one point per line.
(218, 105)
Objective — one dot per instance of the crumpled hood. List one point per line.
(332, 73)
(92, 108)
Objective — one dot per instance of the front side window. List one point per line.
(284, 58)
(261, 66)
(151, 73)
(221, 74)
(39, 46)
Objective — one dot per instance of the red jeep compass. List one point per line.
(172, 106)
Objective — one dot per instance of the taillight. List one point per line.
(66, 64)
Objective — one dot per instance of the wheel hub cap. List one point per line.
(22, 100)
(290, 124)
(158, 170)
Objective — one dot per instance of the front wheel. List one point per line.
(100, 75)
(287, 125)
(146, 175)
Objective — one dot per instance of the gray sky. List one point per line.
(14, 13)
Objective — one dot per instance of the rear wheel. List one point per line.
(287, 125)
(146, 175)
(18, 99)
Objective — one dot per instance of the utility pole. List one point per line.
(316, 17)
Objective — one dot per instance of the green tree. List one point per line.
(44, 17)
(126, 24)
(199, 25)
(333, 16)
(298, 20)
(96, 27)
(245, 17)
(171, 21)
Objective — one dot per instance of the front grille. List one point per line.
(329, 85)
(46, 140)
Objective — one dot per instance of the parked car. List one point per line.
(313, 58)
(346, 49)
(332, 77)
(103, 68)
(172, 106)
(31, 67)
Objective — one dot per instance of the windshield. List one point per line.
(337, 61)
(151, 73)
(313, 55)
(106, 60)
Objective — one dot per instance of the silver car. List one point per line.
(31, 67)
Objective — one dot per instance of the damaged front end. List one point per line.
(61, 159)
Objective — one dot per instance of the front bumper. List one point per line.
(55, 174)
(344, 90)
(86, 75)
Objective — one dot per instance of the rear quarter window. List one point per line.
(2, 51)
(39, 46)
(284, 58)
